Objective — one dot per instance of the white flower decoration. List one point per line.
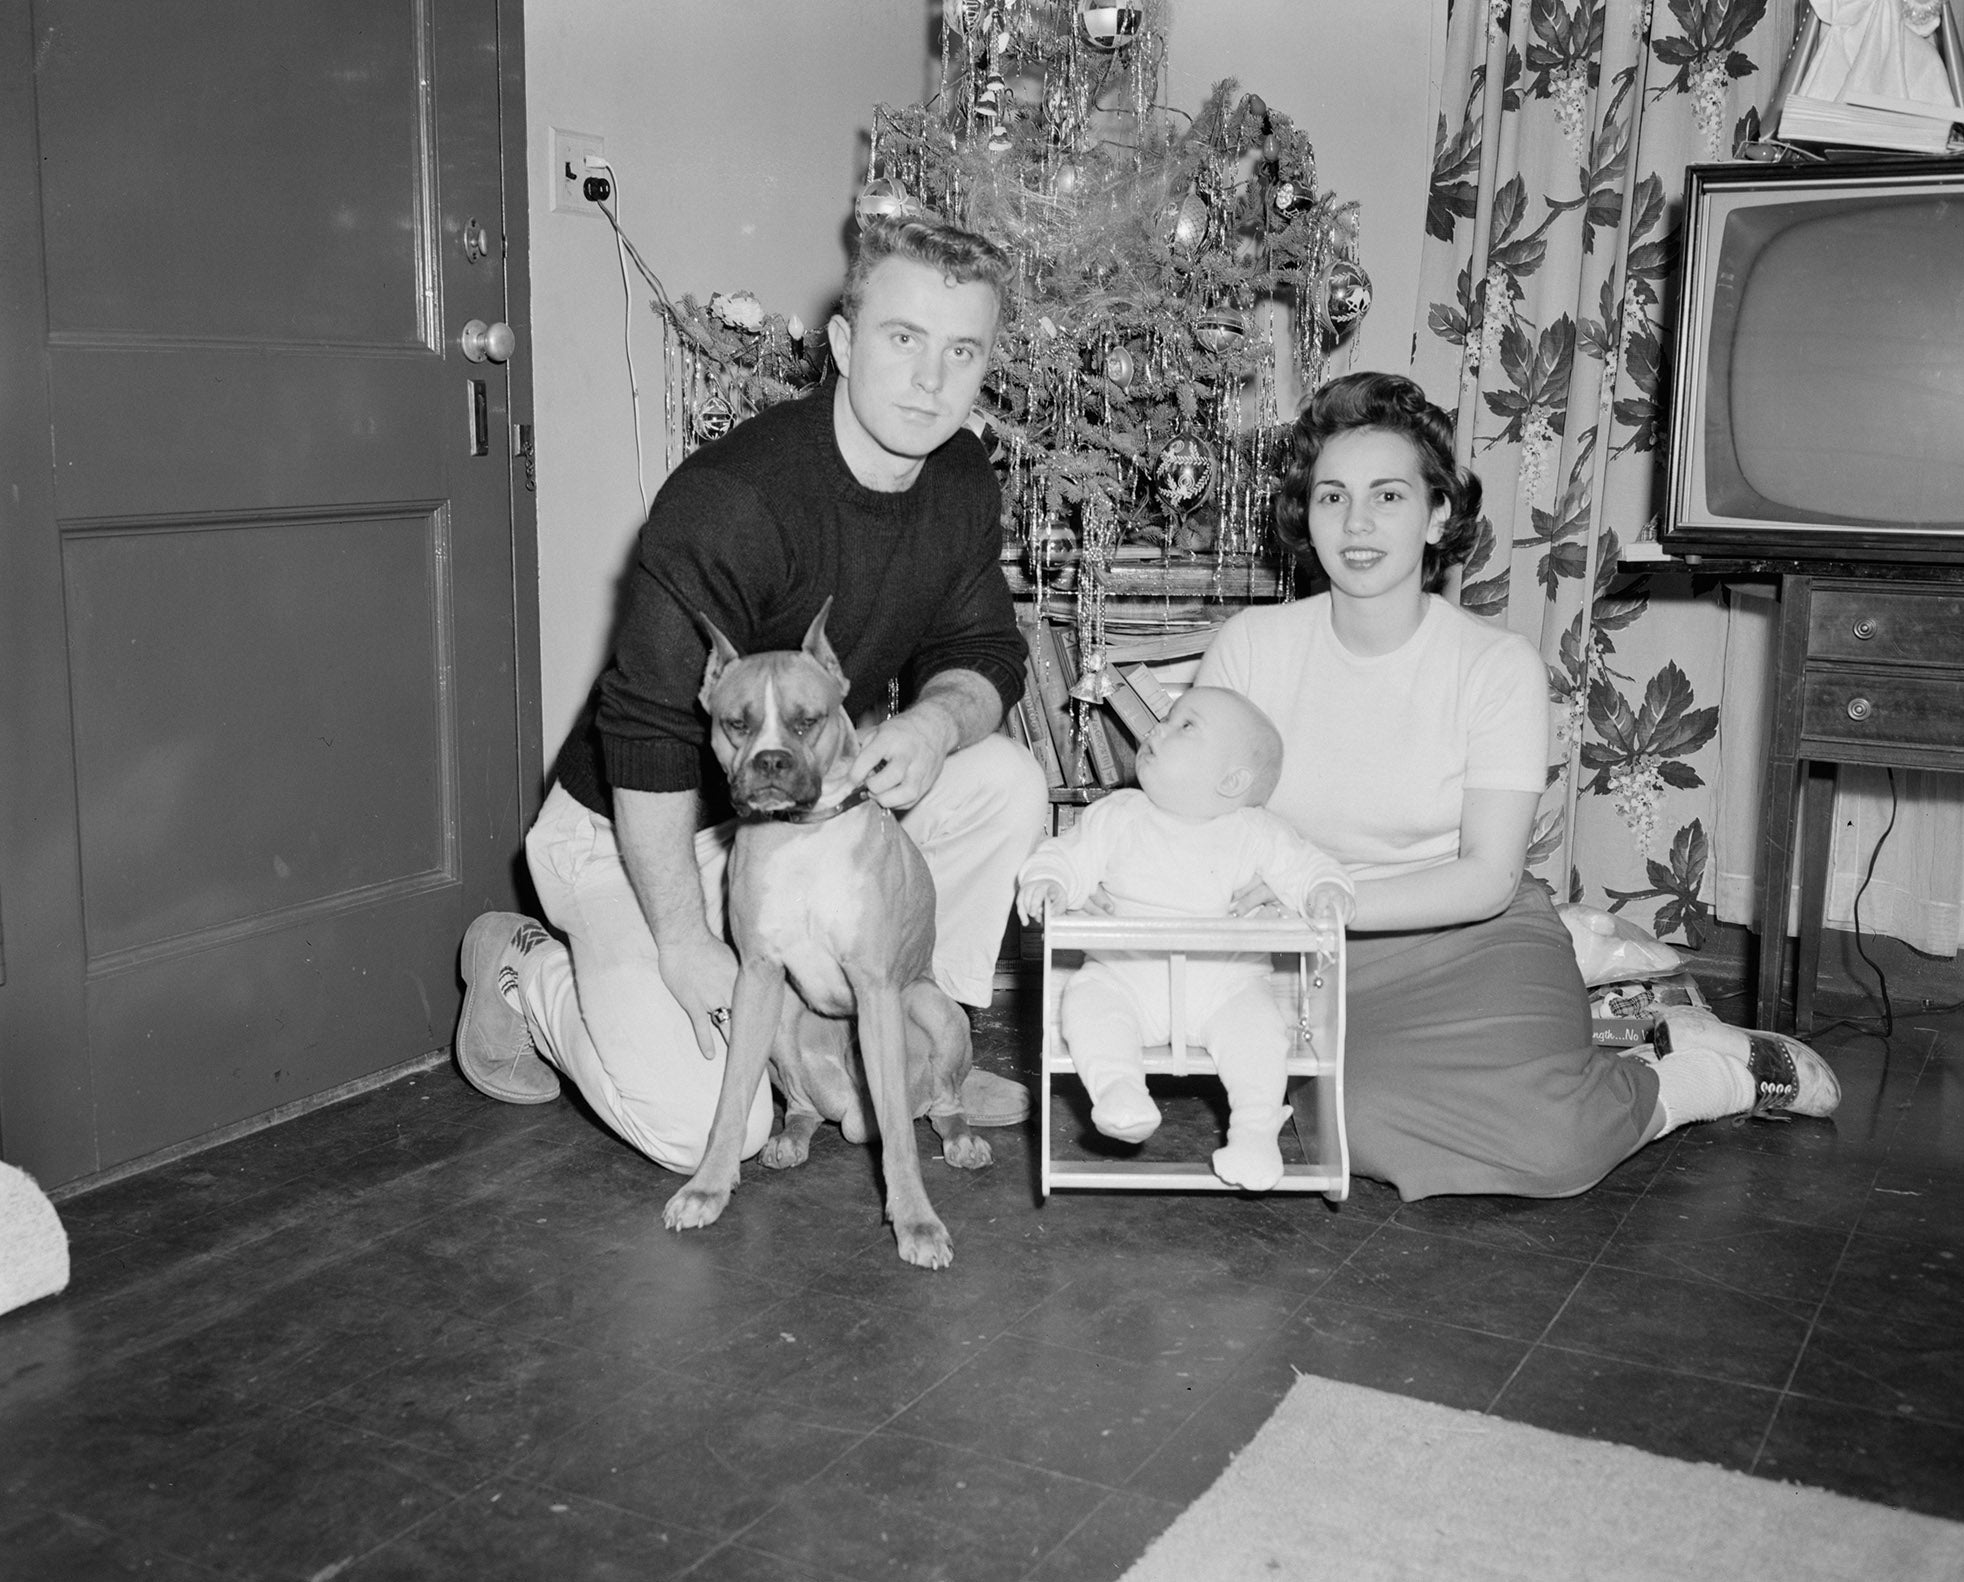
(741, 311)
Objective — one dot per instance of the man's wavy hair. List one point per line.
(1396, 405)
(960, 255)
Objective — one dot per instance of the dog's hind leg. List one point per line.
(804, 1070)
(817, 1072)
(791, 1145)
(939, 1024)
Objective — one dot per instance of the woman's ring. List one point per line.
(720, 1018)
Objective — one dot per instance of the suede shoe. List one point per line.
(494, 1046)
(990, 1100)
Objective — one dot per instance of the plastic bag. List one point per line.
(1609, 949)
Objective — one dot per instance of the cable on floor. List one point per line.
(1887, 1027)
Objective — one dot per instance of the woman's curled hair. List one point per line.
(1396, 405)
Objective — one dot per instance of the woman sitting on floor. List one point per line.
(1416, 745)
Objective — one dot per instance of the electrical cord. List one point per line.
(634, 253)
(622, 247)
(1887, 1027)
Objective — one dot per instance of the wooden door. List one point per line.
(267, 740)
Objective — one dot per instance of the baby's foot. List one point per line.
(1125, 1111)
(1252, 1159)
(1255, 1165)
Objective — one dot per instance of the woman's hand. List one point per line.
(1331, 904)
(1477, 884)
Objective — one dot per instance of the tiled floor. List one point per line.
(424, 1335)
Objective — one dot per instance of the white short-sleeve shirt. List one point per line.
(1380, 750)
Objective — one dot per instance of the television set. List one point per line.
(1817, 400)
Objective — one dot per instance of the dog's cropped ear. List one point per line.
(819, 649)
(722, 654)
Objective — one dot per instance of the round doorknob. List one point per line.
(1865, 629)
(494, 341)
(1860, 708)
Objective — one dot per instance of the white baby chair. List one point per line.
(1310, 988)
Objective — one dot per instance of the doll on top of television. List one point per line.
(1878, 51)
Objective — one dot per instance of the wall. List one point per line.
(737, 129)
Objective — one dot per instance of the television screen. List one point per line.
(1819, 402)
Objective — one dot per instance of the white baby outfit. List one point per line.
(1152, 863)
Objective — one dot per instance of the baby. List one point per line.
(1184, 844)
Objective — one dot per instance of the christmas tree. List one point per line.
(1173, 271)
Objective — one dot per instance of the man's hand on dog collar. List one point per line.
(902, 758)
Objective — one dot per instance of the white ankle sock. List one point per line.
(1253, 1158)
(1701, 1084)
(1121, 1108)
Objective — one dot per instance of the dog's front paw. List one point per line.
(924, 1242)
(967, 1151)
(694, 1207)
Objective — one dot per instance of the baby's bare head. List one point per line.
(1214, 752)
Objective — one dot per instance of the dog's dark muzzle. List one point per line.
(773, 781)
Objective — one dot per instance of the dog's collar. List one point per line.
(818, 815)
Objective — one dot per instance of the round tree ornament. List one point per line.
(1187, 223)
(1221, 329)
(1350, 295)
(882, 198)
(713, 419)
(1184, 474)
(1109, 26)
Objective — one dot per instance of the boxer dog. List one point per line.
(827, 890)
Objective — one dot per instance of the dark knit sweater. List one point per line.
(755, 531)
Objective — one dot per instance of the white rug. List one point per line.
(33, 1246)
(1355, 1485)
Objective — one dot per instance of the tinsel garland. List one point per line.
(1132, 402)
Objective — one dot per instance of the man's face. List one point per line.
(911, 365)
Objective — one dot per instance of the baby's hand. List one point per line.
(1255, 899)
(1030, 899)
(1330, 904)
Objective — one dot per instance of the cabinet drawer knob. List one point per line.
(1860, 708)
(1865, 628)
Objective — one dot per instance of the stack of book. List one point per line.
(1088, 749)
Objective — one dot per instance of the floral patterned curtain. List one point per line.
(1547, 291)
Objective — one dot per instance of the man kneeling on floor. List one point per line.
(868, 492)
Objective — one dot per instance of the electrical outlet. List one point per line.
(569, 171)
